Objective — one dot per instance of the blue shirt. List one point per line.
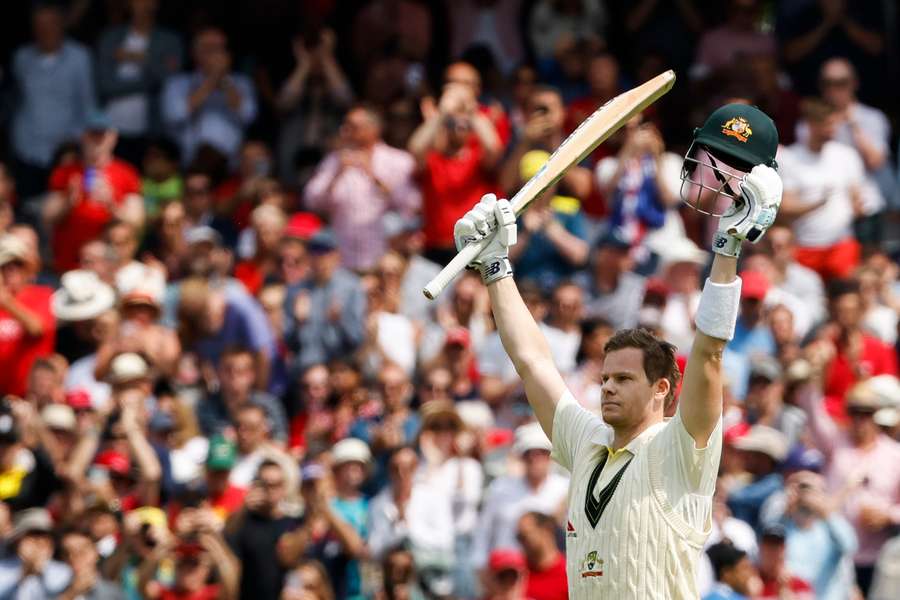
(346, 576)
(746, 502)
(747, 342)
(723, 591)
(245, 325)
(822, 554)
(541, 262)
(56, 95)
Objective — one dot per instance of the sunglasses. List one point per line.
(836, 82)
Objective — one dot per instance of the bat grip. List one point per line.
(454, 268)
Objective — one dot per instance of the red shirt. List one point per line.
(18, 351)
(451, 185)
(249, 273)
(800, 588)
(209, 592)
(86, 220)
(876, 358)
(228, 502)
(549, 584)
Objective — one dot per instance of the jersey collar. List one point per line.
(604, 438)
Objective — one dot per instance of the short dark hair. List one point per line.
(659, 355)
(542, 520)
(816, 110)
(723, 556)
(842, 287)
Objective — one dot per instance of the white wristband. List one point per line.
(718, 310)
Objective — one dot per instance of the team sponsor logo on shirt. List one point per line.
(570, 530)
(592, 565)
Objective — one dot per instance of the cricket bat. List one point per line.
(605, 121)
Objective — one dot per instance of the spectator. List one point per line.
(774, 95)
(78, 551)
(311, 100)
(473, 24)
(32, 572)
(820, 543)
(885, 584)
(764, 401)
(224, 497)
(79, 303)
(355, 185)
(866, 129)
(736, 577)
(162, 182)
(854, 354)
(752, 336)
(681, 261)
(27, 326)
(861, 466)
(505, 577)
(54, 79)
(762, 449)
(551, 22)
(740, 36)
(585, 380)
(199, 209)
(399, 576)
(236, 389)
(613, 291)
(346, 517)
(602, 75)
(640, 185)
(143, 530)
(456, 150)
(256, 529)
(778, 580)
(879, 307)
(255, 446)
(405, 239)
(822, 180)
(546, 574)
(725, 528)
(88, 194)
(307, 581)
(408, 513)
(212, 319)
(508, 498)
(326, 313)
(211, 105)
(194, 562)
(133, 61)
(268, 223)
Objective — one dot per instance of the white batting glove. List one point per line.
(752, 214)
(482, 222)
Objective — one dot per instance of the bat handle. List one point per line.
(453, 268)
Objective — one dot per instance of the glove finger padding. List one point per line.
(751, 214)
(506, 223)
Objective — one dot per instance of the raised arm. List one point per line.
(521, 337)
(700, 401)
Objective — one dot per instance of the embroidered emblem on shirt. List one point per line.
(592, 565)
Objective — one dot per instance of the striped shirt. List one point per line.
(637, 517)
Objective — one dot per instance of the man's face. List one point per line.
(79, 552)
(628, 397)
(122, 240)
(838, 84)
(359, 130)
(36, 547)
(98, 145)
(324, 264)
(436, 385)
(48, 29)
(823, 130)
(548, 105)
(14, 276)
(197, 195)
(567, 305)
(252, 430)
(394, 388)
(211, 51)
(237, 375)
(463, 74)
(532, 538)
(742, 577)
(771, 556)
(403, 466)
(603, 75)
(316, 386)
(537, 464)
(95, 256)
(350, 474)
(292, 260)
(847, 310)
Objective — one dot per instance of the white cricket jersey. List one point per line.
(651, 506)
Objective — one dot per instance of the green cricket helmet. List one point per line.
(734, 139)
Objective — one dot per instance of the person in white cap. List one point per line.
(27, 327)
(508, 498)
(81, 299)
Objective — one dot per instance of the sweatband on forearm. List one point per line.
(718, 310)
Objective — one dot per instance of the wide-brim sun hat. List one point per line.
(82, 296)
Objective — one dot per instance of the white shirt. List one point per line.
(506, 500)
(462, 481)
(648, 539)
(832, 172)
(81, 376)
(427, 522)
(677, 320)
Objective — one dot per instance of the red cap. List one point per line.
(502, 559)
(754, 285)
(302, 225)
(458, 336)
(736, 432)
(188, 549)
(656, 286)
(498, 438)
(79, 399)
(114, 461)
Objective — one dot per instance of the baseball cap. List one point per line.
(774, 531)
(766, 367)
(12, 249)
(151, 515)
(222, 454)
(79, 399)
(530, 437)
(754, 285)
(350, 450)
(203, 234)
(458, 336)
(503, 559)
(614, 239)
(98, 121)
(801, 458)
(312, 472)
(765, 440)
(302, 225)
(59, 416)
(740, 134)
(322, 242)
(863, 398)
(113, 461)
(396, 224)
(128, 366)
(31, 520)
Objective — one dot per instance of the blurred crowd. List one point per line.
(219, 375)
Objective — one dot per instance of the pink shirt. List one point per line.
(872, 475)
(355, 204)
(722, 45)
